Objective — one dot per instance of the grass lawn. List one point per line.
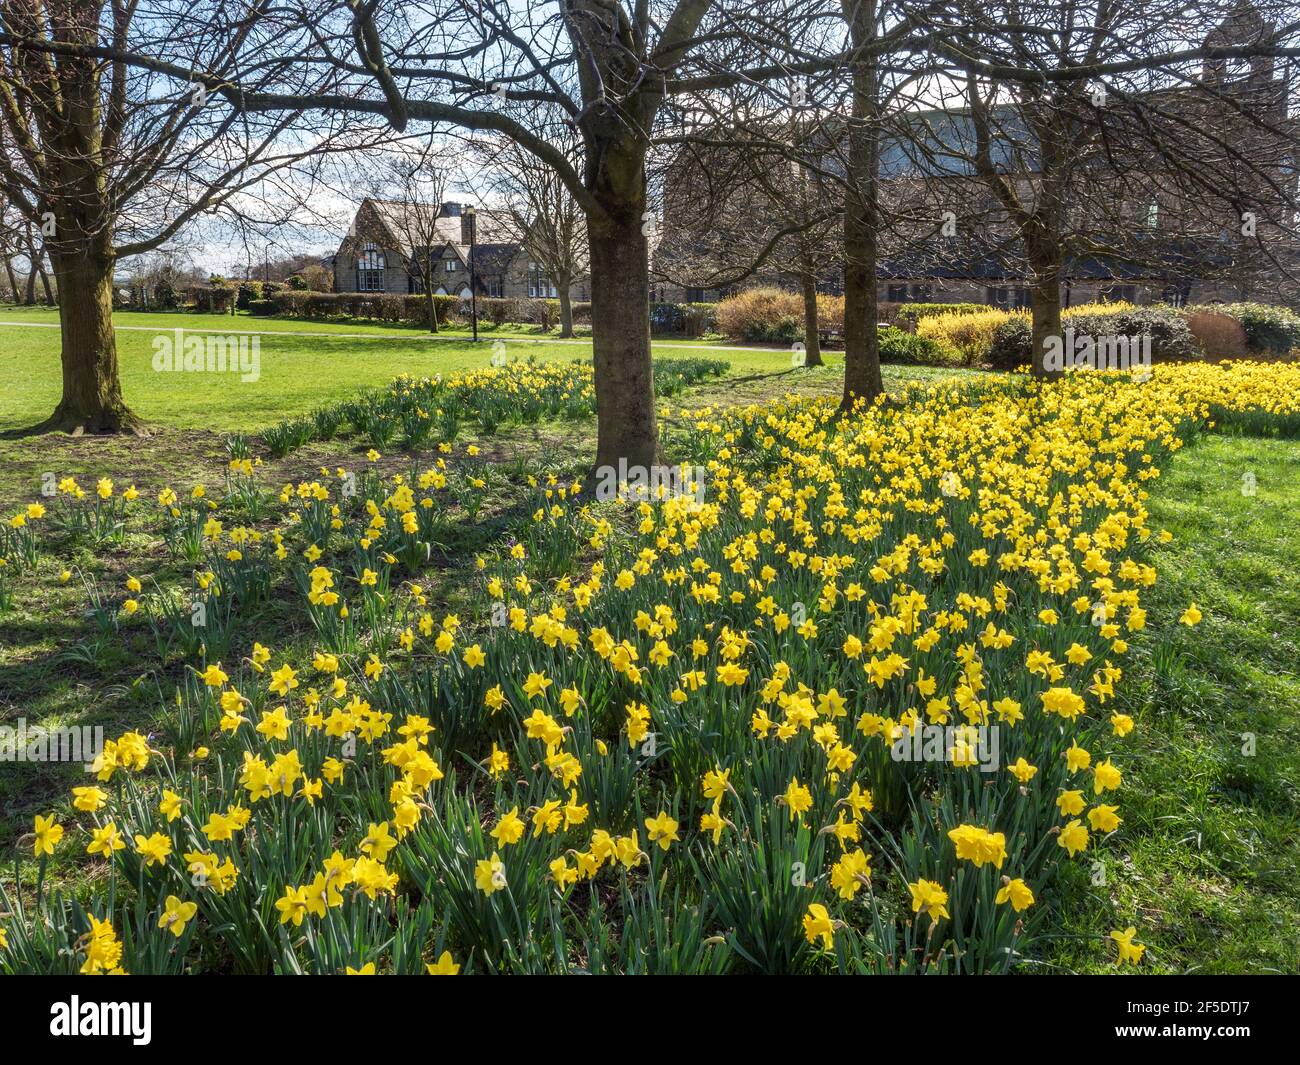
(1210, 854)
(296, 372)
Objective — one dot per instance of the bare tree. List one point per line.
(538, 212)
(1148, 165)
(418, 179)
(608, 67)
(111, 160)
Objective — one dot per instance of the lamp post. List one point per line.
(473, 288)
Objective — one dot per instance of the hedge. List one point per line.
(414, 309)
(1171, 338)
(899, 346)
(908, 314)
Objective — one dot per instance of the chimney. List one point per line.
(450, 210)
(466, 226)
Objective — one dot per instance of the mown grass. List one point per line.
(1210, 845)
(295, 372)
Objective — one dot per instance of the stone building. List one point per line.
(1151, 240)
(383, 246)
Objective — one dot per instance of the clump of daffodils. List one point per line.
(845, 708)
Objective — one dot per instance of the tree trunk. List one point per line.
(1045, 269)
(566, 309)
(862, 380)
(13, 279)
(432, 301)
(45, 284)
(811, 326)
(92, 393)
(29, 297)
(620, 320)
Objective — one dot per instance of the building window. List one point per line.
(539, 285)
(897, 294)
(922, 293)
(1153, 215)
(1021, 297)
(695, 295)
(1176, 295)
(1118, 294)
(450, 266)
(998, 297)
(493, 287)
(370, 269)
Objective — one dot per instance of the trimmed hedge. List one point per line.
(1171, 338)
(908, 314)
(212, 299)
(414, 308)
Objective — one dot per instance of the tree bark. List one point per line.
(811, 326)
(862, 379)
(620, 318)
(1046, 265)
(29, 296)
(92, 394)
(45, 284)
(13, 279)
(432, 301)
(566, 308)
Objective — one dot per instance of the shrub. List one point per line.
(212, 299)
(291, 304)
(1269, 330)
(1220, 335)
(248, 291)
(898, 345)
(1171, 339)
(765, 315)
(545, 313)
(261, 308)
(968, 333)
(830, 315)
(678, 319)
(887, 313)
(1098, 307)
(1012, 344)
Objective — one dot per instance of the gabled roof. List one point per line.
(493, 258)
(405, 221)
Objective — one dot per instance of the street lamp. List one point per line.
(473, 288)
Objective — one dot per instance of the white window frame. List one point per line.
(371, 269)
(540, 287)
